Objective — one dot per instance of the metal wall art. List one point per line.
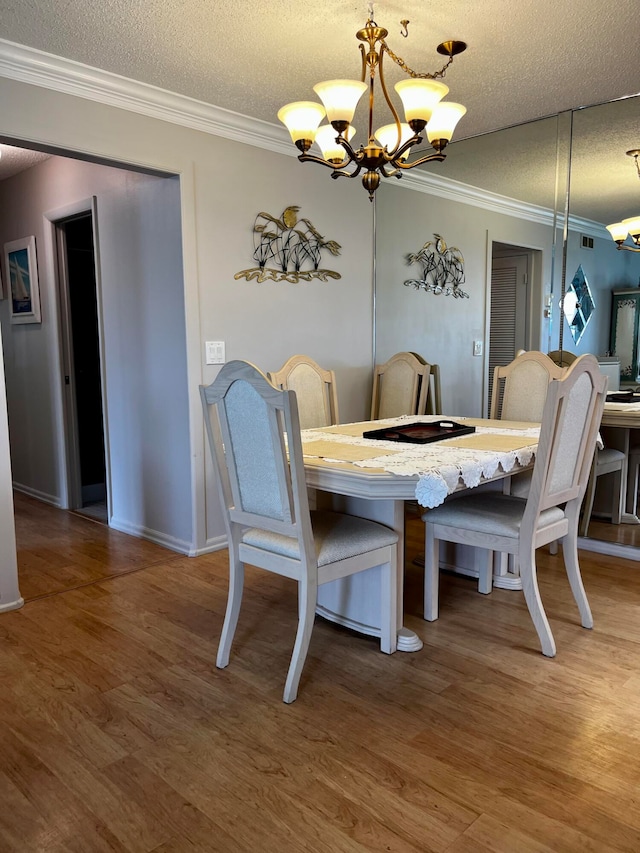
(290, 245)
(442, 269)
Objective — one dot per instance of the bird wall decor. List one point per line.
(288, 249)
(442, 269)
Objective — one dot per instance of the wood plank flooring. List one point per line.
(117, 732)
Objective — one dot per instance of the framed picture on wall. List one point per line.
(21, 280)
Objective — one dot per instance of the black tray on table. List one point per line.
(623, 397)
(420, 433)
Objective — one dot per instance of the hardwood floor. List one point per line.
(117, 732)
(58, 550)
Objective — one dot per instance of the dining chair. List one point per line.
(400, 386)
(520, 388)
(433, 405)
(315, 389)
(563, 358)
(606, 460)
(254, 436)
(633, 479)
(516, 525)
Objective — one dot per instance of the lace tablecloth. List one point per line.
(442, 466)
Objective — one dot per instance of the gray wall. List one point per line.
(442, 329)
(223, 186)
(140, 267)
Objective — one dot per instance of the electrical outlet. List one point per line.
(477, 347)
(214, 352)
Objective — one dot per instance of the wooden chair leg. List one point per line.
(572, 566)
(618, 497)
(632, 482)
(534, 602)
(236, 584)
(431, 574)
(389, 605)
(587, 505)
(307, 600)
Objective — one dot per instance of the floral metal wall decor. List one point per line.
(288, 244)
(442, 269)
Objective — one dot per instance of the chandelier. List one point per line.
(387, 150)
(631, 226)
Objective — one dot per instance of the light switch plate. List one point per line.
(214, 352)
(477, 347)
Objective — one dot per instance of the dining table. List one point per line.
(373, 478)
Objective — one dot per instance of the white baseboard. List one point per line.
(11, 605)
(53, 500)
(210, 546)
(170, 542)
(611, 549)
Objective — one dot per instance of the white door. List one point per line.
(509, 305)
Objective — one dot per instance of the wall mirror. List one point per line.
(573, 164)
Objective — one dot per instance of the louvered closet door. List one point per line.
(508, 325)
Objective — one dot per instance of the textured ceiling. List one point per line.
(525, 60)
(14, 160)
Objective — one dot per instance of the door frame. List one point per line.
(71, 492)
(534, 299)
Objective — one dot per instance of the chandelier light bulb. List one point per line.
(618, 231)
(332, 151)
(442, 123)
(419, 97)
(388, 135)
(301, 120)
(633, 226)
(340, 99)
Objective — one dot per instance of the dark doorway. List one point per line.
(84, 374)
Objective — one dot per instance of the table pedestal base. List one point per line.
(354, 601)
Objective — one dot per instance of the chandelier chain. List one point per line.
(416, 74)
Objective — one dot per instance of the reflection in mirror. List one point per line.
(577, 305)
(604, 189)
(493, 191)
(527, 164)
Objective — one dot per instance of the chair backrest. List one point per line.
(315, 389)
(260, 484)
(563, 358)
(433, 405)
(568, 433)
(400, 386)
(520, 388)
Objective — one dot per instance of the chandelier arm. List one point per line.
(312, 158)
(354, 156)
(394, 173)
(629, 248)
(353, 174)
(390, 103)
(416, 139)
(430, 158)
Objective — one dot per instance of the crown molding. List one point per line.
(427, 182)
(28, 65)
